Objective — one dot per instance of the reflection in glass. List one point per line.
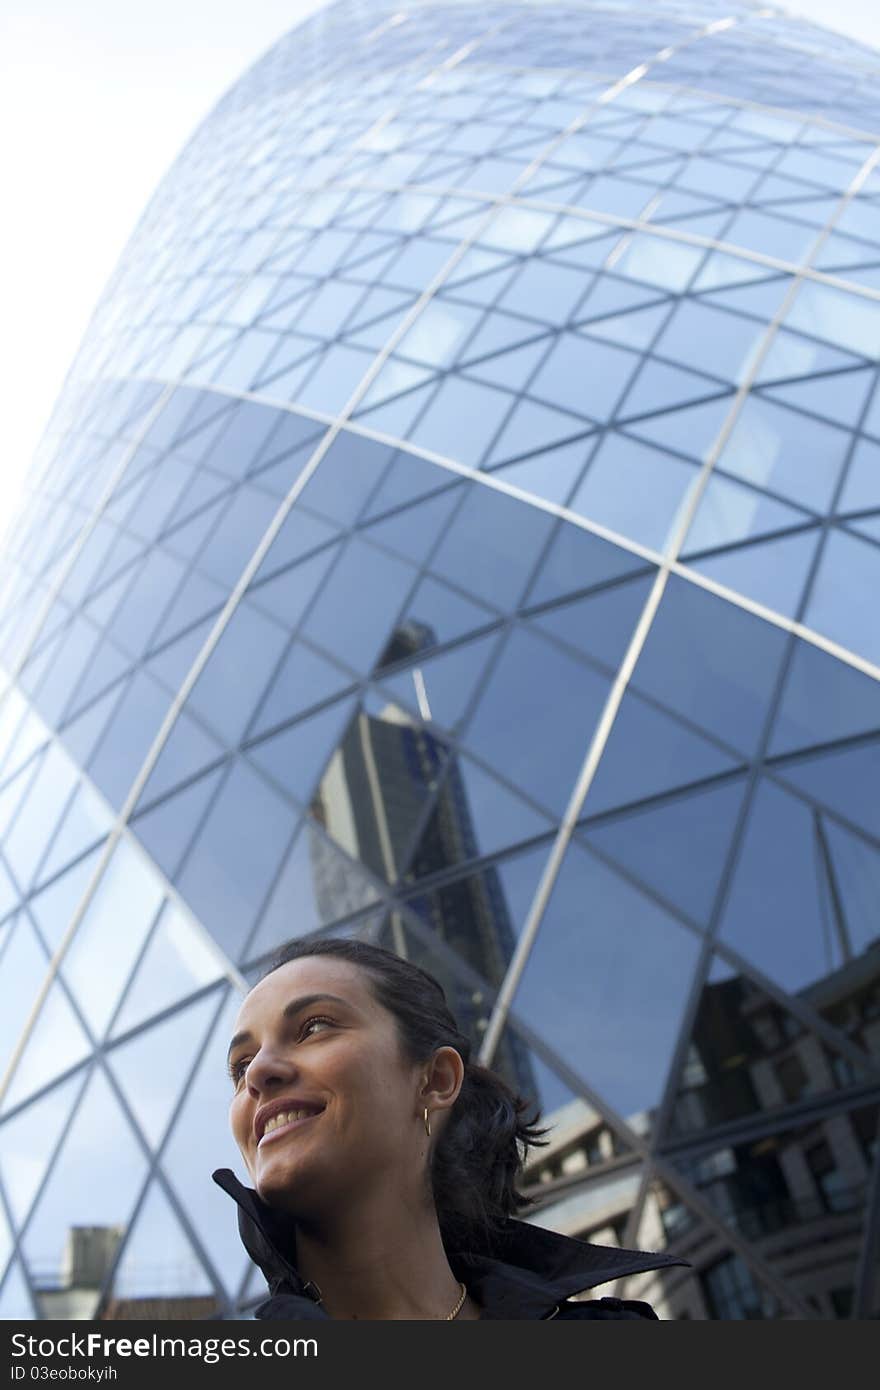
(748, 1054)
(159, 1274)
(83, 1210)
(606, 982)
(200, 1142)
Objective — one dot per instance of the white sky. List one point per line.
(96, 99)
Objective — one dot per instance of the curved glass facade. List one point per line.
(461, 527)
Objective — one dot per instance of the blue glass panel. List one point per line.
(237, 672)
(491, 546)
(237, 535)
(772, 573)
(786, 452)
(235, 856)
(840, 396)
(413, 531)
(296, 757)
(346, 476)
(648, 754)
(475, 816)
(678, 847)
(441, 689)
(730, 512)
(358, 603)
(304, 679)
(847, 320)
(634, 490)
(823, 700)
(842, 601)
(862, 486)
(606, 983)
(584, 376)
(461, 420)
(845, 781)
(167, 829)
(436, 613)
(776, 914)
(712, 663)
(536, 716)
(128, 737)
(337, 376)
(661, 387)
(710, 340)
(601, 625)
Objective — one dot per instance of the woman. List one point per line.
(384, 1159)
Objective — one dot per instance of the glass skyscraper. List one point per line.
(461, 527)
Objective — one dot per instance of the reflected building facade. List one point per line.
(460, 529)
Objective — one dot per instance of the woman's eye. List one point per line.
(309, 1025)
(238, 1069)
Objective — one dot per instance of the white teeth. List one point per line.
(284, 1117)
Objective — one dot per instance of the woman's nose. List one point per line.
(268, 1070)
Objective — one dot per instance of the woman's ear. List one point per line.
(442, 1080)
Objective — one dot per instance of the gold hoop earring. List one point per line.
(427, 1123)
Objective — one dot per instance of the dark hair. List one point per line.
(481, 1150)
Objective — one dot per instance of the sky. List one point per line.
(97, 97)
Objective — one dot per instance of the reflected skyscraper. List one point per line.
(460, 528)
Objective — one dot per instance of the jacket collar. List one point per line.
(526, 1274)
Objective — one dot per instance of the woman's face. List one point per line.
(324, 1101)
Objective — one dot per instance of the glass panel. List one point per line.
(237, 672)
(55, 1044)
(187, 750)
(166, 830)
(25, 842)
(719, 1284)
(844, 319)
(729, 512)
(153, 1067)
(85, 1206)
(789, 890)
(440, 690)
(772, 573)
(413, 531)
(317, 885)
(237, 536)
(52, 909)
(806, 1186)
(461, 420)
(635, 490)
(474, 816)
(28, 1144)
(109, 938)
(677, 848)
(536, 716)
(584, 376)
(712, 663)
(358, 603)
(159, 1276)
(15, 1300)
(747, 1054)
(710, 340)
(295, 758)
(128, 738)
(491, 547)
(235, 856)
(823, 700)
(375, 785)
(607, 986)
(436, 613)
(304, 679)
(601, 625)
(23, 970)
(841, 602)
(85, 821)
(200, 1142)
(579, 560)
(179, 959)
(480, 917)
(787, 452)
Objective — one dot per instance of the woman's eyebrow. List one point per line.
(294, 1007)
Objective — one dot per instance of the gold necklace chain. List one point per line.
(457, 1309)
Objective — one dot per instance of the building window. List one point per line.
(732, 1293)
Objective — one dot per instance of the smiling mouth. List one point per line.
(285, 1122)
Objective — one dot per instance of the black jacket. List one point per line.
(529, 1273)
